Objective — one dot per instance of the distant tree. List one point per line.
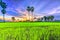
(50, 18)
(45, 18)
(32, 10)
(13, 19)
(35, 18)
(39, 19)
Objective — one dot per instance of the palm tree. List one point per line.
(48, 18)
(41, 19)
(32, 10)
(13, 19)
(0, 2)
(28, 9)
(3, 5)
(45, 18)
(3, 12)
(52, 17)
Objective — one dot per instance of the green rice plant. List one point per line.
(30, 31)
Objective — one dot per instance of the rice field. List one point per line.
(30, 31)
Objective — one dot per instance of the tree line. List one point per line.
(46, 18)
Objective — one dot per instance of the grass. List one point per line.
(30, 31)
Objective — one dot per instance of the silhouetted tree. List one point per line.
(45, 18)
(28, 9)
(0, 2)
(13, 19)
(40, 19)
(4, 6)
(50, 18)
(3, 12)
(32, 10)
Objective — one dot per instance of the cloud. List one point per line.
(55, 10)
(24, 13)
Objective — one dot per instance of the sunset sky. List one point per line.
(17, 8)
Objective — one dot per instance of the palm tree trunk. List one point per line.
(29, 16)
(3, 17)
(32, 16)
